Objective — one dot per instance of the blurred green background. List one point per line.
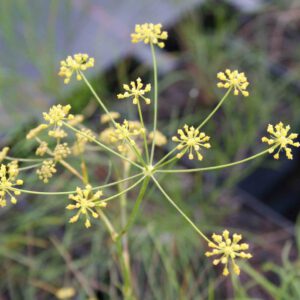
(38, 248)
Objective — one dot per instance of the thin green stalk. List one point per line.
(155, 101)
(30, 167)
(103, 146)
(73, 192)
(165, 157)
(216, 167)
(144, 133)
(167, 162)
(215, 109)
(98, 98)
(136, 207)
(23, 159)
(133, 147)
(107, 223)
(180, 211)
(121, 193)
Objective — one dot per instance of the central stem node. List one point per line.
(149, 170)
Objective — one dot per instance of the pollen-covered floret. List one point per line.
(86, 202)
(46, 171)
(160, 138)
(105, 118)
(82, 138)
(136, 91)
(57, 133)
(78, 63)
(61, 151)
(36, 131)
(126, 132)
(42, 149)
(57, 114)
(191, 140)
(149, 34)
(281, 139)
(234, 79)
(229, 249)
(8, 182)
(3, 153)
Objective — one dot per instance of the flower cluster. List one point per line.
(57, 114)
(8, 182)
(234, 79)
(149, 34)
(229, 249)
(46, 171)
(82, 138)
(86, 203)
(281, 139)
(78, 63)
(136, 91)
(191, 140)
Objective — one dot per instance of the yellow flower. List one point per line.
(77, 119)
(149, 33)
(191, 140)
(86, 203)
(280, 138)
(65, 293)
(105, 118)
(160, 138)
(234, 79)
(85, 135)
(228, 249)
(61, 151)
(79, 62)
(57, 114)
(46, 171)
(42, 149)
(35, 131)
(3, 153)
(136, 91)
(8, 182)
(57, 133)
(126, 132)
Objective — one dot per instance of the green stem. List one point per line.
(30, 167)
(97, 98)
(121, 193)
(215, 109)
(167, 162)
(136, 207)
(155, 101)
(23, 159)
(215, 167)
(103, 146)
(180, 211)
(73, 192)
(144, 133)
(165, 157)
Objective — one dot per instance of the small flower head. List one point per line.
(136, 91)
(57, 133)
(82, 138)
(126, 132)
(77, 119)
(65, 293)
(42, 149)
(57, 114)
(3, 153)
(36, 131)
(105, 118)
(46, 171)
(160, 138)
(228, 249)
(86, 202)
(8, 182)
(281, 138)
(191, 140)
(61, 151)
(78, 63)
(234, 79)
(149, 33)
